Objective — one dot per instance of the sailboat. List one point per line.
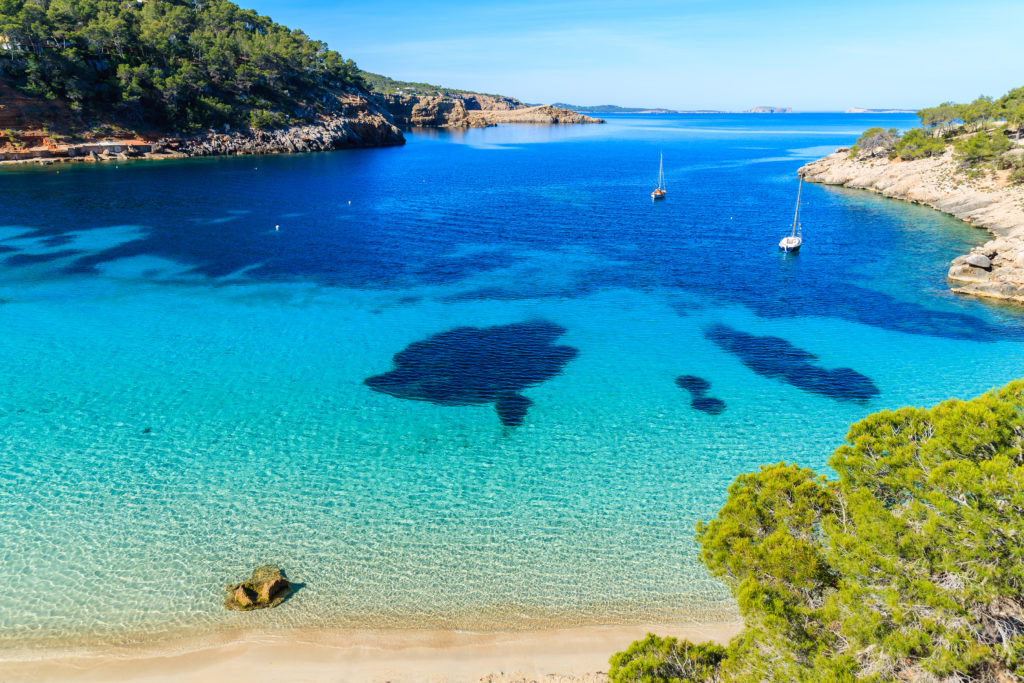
(793, 241)
(659, 192)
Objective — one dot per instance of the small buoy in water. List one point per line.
(350, 202)
(277, 227)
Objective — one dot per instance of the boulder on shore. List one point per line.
(267, 587)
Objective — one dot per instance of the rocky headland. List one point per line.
(356, 120)
(471, 110)
(994, 269)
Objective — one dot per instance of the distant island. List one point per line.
(770, 110)
(177, 78)
(615, 109)
(860, 110)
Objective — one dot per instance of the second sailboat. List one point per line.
(659, 192)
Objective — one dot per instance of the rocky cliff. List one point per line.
(355, 120)
(360, 123)
(544, 114)
(472, 111)
(995, 269)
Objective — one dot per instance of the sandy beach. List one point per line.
(577, 654)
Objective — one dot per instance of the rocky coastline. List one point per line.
(357, 121)
(473, 111)
(993, 270)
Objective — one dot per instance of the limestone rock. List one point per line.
(271, 589)
(472, 111)
(267, 587)
(243, 597)
(993, 270)
(979, 261)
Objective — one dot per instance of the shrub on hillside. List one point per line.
(917, 144)
(982, 147)
(875, 142)
(655, 659)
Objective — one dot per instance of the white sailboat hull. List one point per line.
(790, 243)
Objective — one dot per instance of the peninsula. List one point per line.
(178, 79)
(966, 161)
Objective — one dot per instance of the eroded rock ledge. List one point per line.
(994, 269)
(473, 111)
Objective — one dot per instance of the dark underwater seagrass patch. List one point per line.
(699, 400)
(478, 365)
(777, 358)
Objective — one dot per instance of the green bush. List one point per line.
(261, 118)
(982, 147)
(873, 138)
(909, 566)
(1017, 176)
(917, 144)
(656, 659)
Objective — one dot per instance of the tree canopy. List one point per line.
(980, 132)
(168, 63)
(908, 566)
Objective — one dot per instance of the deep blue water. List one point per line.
(216, 363)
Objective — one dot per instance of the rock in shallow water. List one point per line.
(267, 587)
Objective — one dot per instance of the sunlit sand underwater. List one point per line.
(188, 390)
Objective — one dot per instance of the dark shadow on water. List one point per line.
(776, 358)
(476, 366)
(33, 259)
(698, 388)
(709, 405)
(693, 384)
(295, 588)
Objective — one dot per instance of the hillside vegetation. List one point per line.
(390, 86)
(168, 64)
(908, 567)
(982, 134)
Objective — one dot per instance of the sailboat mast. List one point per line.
(661, 172)
(796, 213)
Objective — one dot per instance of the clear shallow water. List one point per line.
(184, 391)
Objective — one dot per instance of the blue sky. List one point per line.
(687, 54)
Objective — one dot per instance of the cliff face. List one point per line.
(426, 111)
(360, 123)
(475, 102)
(545, 114)
(995, 269)
(472, 111)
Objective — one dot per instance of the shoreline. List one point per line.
(567, 654)
(993, 270)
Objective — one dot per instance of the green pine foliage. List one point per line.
(172, 64)
(656, 659)
(917, 144)
(980, 133)
(390, 86)
(908, 566)
(984, 146)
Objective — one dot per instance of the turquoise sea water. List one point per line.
(184, 391)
